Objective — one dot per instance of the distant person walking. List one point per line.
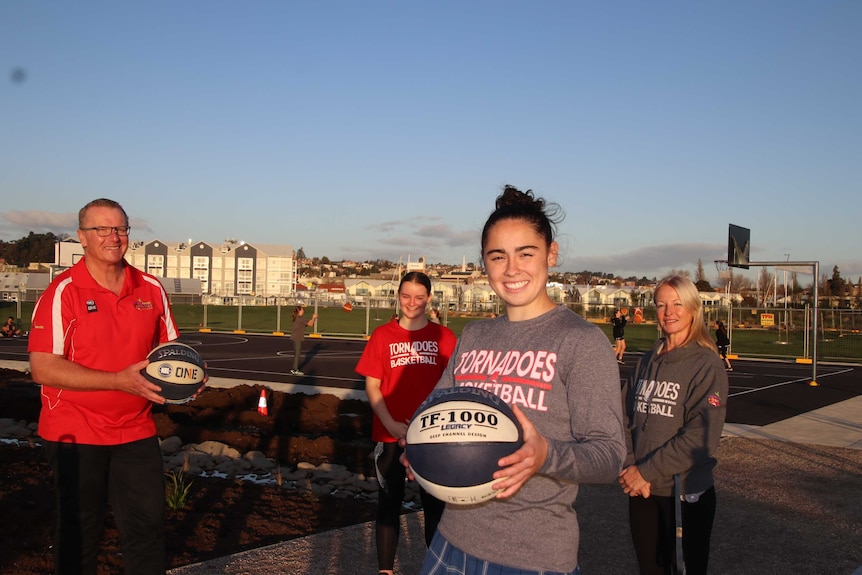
(619, 320)
(722, 341)
(298, 335)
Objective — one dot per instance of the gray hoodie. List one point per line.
(674, 409)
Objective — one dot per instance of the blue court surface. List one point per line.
(761, 392)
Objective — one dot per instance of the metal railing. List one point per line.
(780, 333)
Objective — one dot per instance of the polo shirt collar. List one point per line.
(81, 276)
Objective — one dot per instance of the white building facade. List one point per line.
(226, 270)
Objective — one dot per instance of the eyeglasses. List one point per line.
(105, 231)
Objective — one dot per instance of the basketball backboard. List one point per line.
(738, 246)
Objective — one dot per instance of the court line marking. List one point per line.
(279, 355)
(783, 383)
(24, 353)
(742, 387)
(201, 343)
(251, 358)
(327, 354)
(287, 374)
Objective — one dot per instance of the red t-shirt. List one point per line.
(408, 365)
(90, 325)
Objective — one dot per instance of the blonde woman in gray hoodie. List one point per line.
(674, 408)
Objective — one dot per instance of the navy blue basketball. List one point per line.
(454, 442)
(177, 368)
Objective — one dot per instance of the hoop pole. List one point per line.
(816, 313)
(816, 271)
(722, 267)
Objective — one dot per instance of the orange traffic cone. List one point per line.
(261, 403)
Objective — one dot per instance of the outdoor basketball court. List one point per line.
(761, 392)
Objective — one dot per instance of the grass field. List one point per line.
(333, 321)
(833, 345)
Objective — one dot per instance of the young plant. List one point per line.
(177, 490)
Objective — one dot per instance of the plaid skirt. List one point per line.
(443, 558)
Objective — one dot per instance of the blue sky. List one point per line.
(361, 130)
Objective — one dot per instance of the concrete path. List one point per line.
(338, 552)
(837, 425)
(351, 550)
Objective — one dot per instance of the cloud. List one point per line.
(436, 240)
(140, 226)
(652, 260)
(443, 234)
(36, 221)
(39, 219)
(385, 227)
(21, 223)
(420, 236)
(850, 270)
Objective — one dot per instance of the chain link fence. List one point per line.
(765, 332)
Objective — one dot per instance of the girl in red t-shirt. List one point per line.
(401, 363)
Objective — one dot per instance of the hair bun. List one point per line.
(512, 196)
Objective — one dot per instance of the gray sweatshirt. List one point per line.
(675, 405)
(560, 370)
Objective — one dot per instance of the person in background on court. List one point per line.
(297, 335)
(396, 382)
(92, 330)
(434, 315)
(674, 407)
(9, 328)
(723, 342)
(619, 320)
(572, 428)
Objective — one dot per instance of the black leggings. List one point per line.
(297, 353)
(389, 504)
(653, 533)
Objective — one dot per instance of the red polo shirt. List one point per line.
(90, 325)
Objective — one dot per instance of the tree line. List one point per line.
(31, 248)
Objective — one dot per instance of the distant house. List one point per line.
(600, 296)
(453, 294)
(331, 288)
(22, 286)
(361, 289)
(594, 297)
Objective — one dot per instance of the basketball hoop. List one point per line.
(723, 269)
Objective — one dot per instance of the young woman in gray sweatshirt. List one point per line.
(558, 373)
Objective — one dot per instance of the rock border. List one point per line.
(217, 459)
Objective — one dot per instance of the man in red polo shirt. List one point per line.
(91, 332)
